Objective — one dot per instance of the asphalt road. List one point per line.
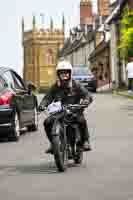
(27, 173)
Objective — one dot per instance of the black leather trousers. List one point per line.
(48, 123)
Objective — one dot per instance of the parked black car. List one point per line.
(18, 105)
(84, 75)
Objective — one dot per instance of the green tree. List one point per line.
(126, 41)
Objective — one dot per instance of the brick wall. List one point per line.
(86, 15)
(130, 3)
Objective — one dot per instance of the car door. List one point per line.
(27, 107)
(17, 94)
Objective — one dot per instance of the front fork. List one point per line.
(73, 142)
(77, 135)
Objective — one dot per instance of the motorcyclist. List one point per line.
(67, 91)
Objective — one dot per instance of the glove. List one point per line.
(84, 101)
(91, 99)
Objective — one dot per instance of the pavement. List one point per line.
(123, 93)
(27, 173)
(108, 89)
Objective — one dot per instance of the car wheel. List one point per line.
(15, 132)
(95, 90)
(34, 126)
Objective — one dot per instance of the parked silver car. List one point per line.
(84, 75)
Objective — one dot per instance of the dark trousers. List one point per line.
(48, 123)
(130, 83)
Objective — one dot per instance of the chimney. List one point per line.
(86, 15)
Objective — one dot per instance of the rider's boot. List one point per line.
(87, 146)
(70, 155)
(49, 150)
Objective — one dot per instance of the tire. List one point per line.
(60, 156)
(34, 126)
(15, 131)
(79, 157)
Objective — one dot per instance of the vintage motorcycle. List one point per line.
(66, 142)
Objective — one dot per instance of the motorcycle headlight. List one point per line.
(68, 112)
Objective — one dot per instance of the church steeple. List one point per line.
(63, 23)
(51, 24)
(34, 22)
(22, 25)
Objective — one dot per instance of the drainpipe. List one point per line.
(119, 59)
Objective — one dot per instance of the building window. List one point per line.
(49, 57)
(29, 55)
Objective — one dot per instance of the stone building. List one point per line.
(100, 62)
(103, 7)
(78, 46)
(40, 50)
(89, 44)
(118, 65)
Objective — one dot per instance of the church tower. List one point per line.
(86, 14)
(40, 50)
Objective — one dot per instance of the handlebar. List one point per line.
(78, 106)
(42, 108)
(64, 107)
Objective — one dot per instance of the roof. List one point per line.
(70, 46)
(113, 4)
(121, 2)
(4, 69)
(113, 15)
(117, 10)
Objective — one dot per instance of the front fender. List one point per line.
(56, 129)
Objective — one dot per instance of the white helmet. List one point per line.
(64, 65)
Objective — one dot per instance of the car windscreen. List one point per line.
(81, 71)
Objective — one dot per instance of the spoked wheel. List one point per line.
(35, 119)
(78, 158)
(34, 126)
(15, 132)
(60, 154)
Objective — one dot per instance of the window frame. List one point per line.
(4, 84)
(6, 77)
(17, 77)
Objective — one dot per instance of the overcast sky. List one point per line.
(11, 12)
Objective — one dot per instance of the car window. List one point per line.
(81, 71)
(18, 84)
(2, 83)
(9, 79)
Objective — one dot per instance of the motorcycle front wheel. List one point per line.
(60, 153)
(78, 158)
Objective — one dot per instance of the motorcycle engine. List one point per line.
(70, 116)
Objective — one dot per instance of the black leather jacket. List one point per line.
(66, 96)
